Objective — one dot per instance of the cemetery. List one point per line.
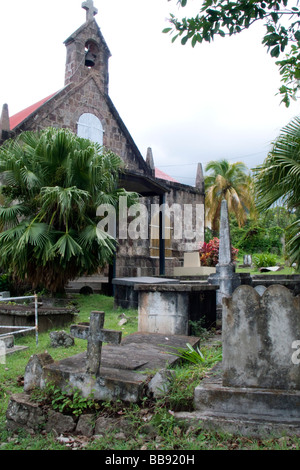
(253, 392)
(125, 338)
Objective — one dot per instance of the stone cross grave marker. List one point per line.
(95, 335)
(91, 11)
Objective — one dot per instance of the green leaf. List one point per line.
(184, 40)
(275, 52)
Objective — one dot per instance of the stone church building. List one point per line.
(83, 105)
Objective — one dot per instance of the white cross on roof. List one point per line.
(91, 11)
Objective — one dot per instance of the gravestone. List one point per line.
(7, 345)
(226, 277)
(61, 339)
(95, 335)
(2, 352)
(262, 330)
(247, 260)
(256, 389)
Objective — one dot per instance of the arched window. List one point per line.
(90, 127)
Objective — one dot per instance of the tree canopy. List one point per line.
(230, 181)
(52, 183)
(224, 17)
(277, 181)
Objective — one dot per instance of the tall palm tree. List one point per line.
(278, 180)
(52, 185)
(230, 181)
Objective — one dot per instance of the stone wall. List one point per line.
(134, 256)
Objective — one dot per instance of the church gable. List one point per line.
(66, 108)
(84, 98)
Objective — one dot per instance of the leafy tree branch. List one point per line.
(227, 18)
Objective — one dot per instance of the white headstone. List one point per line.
(2, 352)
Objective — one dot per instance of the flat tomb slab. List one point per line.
(153, 350)
(158, 339)
(123, 372)
(131, 281)
(111, 358)
(125, 295)
(137, 351)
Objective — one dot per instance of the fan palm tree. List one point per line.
(52, 184)
(278, 180)
(231, 182)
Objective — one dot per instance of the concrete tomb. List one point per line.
(256, 389)
(24, 316)
(169, 308)
(111, 371)
(125, 295)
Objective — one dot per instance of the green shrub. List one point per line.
(4, 282)
(195, 356)
(63, 401)
(256, 238)
(264, 259)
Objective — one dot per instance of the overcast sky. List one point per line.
(189, 105)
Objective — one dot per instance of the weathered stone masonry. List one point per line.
(86, 91)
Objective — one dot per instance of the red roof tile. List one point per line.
(22, 115)
(163, 176)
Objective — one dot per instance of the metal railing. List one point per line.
(22, 329)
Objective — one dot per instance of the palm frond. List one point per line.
(293, 243)
(9, 216)
(67, 247)
(65, 201)
(93, 234)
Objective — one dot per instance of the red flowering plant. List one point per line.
(209, 253)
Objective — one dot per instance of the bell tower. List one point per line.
(87, 51)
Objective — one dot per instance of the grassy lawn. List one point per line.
(285, 270)
(254, 272)
(151, 424)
